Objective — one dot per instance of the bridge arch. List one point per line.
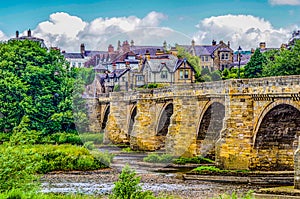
(209, 128)
(275, 137)
(163, 123)
(105, 117)
(132, 116)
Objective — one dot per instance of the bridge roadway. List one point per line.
(242, 124)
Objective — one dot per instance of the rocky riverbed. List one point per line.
(101, 182)
(158, 178)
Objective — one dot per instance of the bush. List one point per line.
(96, 138)
(155, 158)
(89, 145)
(17, 169)
(69, 157)
(195, 160)
(65, 138)
(127, 187)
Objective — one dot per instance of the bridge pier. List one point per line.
(116, 129)
(233, 149)
(93, 110)
(143, 135)
(182, 132)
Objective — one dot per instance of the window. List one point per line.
(224, 56)
(79, 64)
(184, 74)
(123, 79)
(164, 74)
(206, 58)
(202, 58)
(140, 78)
(73, 64)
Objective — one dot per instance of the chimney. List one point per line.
(165, 45)
(82, 49)
(29, 33)
(131, 43)
(193, 43)
(110, 48)
(17, 34)
(262, 45)
(119, 45)
(214, 42)
(147, 55)
(221, 42)
(228, 44)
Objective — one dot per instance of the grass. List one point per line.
(216, 170)
(156, 158)
(193, 160)
(166, 158)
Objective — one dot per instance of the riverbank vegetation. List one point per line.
(166, 158)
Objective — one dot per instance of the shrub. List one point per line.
(89, 145)
(17, 169)
(195, 160)
(127, 187)
(155, 158)
(96, 138)
(65, 138)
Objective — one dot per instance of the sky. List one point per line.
(66, 24)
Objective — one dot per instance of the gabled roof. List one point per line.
(158, 63)
(180, 62)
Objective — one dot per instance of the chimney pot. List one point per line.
(29, 33)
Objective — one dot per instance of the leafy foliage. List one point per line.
(36, 91)
(254, 67)
(283, 62)
(36, 84)
(156, 158)
(196, 160)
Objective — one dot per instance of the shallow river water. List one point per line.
(101, 182)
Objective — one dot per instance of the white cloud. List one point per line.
(244, 30)
(3, 37)
(67, 32)
(285, 2)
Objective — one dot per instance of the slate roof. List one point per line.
(157, 64)
(73, 55)
(142, 50)
(116, 73)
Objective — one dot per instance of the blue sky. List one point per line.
(201, 20)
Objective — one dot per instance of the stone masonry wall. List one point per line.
(246, 102)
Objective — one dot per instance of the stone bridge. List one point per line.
(243, 124)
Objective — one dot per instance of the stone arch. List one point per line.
(209, 128)
(163, 123)
(105, 117)
(133, 113)
(276, 136)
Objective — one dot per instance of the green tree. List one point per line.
(254, 67)
(193, 60)
(283, 62)
(36, 83)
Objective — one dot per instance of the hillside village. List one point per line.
(129, 66)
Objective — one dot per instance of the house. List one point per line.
(29, 37)
(79, 59)
(167, 69)
(214, 56)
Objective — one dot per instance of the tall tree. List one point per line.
(254, 67)
(283, 62)
(36, 83)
